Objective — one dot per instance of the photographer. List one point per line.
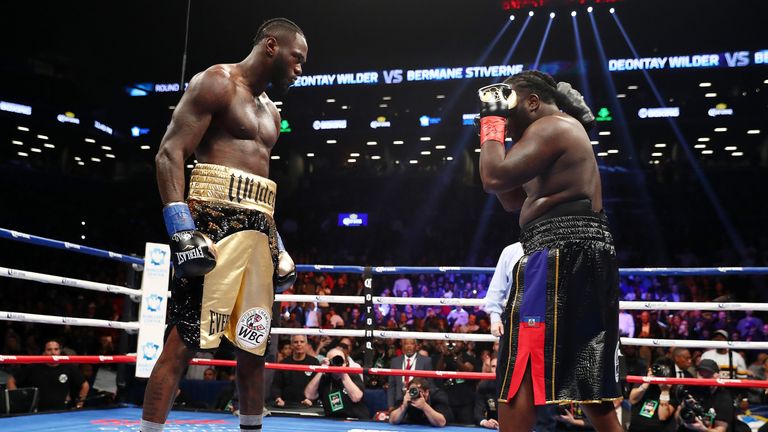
(421, 406)
(340, 393)
(486, 409)
(653, 407)
(454, 356)
(706, 408)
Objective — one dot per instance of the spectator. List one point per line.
(721, 357)
(422, 406)
(626, 324)
(717, 398)
(340, 393)
(57, 383)
(209, 374)
(402, 287)
(410, 360)
(288, 386)
(572, 418)
(748, 323)
(647, 328)
(653, 408)
(458, 317)
(683, 363)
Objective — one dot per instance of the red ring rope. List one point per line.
(717, 382)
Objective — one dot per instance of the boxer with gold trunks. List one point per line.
(228, 259)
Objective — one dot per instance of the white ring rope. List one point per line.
(75, 283)
(419, 301)
(317, 332)
(51, 319)
(703, 306)
(306, 298)
(686, 343)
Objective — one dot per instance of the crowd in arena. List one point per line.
(381, 398)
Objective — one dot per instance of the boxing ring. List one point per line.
(126, 418)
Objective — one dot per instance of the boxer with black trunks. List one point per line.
(559, 330)
(227, 256)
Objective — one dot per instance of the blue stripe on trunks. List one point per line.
(534, 304)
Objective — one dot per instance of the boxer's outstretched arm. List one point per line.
(530, 156)
(208, 92)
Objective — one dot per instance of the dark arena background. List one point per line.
(377, 160)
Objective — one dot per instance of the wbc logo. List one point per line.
(253, 328)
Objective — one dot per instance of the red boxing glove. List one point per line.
(492, 128)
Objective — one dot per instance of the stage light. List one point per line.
(22, 154)
(589, 9)
(351, 160)
(707, 152)
(81, 163)
(26, 129)
(354, 155)
(551, 15)
(144, 147)
(477, 150)
(703, 139)
(17, 142)
(95, 159)
(439, 147)
(530, 13)
(594, 142)
(753, 132)
(49, 145)
(106, 148)
(42, 137)
(310, 155)
(705, 84)
(658, 154)
(573, 13)
(371, 143)
(449, 158)
(111, 156)
(77, 158)
(620, 96)
(90, 140)
(397, 142)
(383, 105)
(721, 129)
(375, 157)
(612, 10)
(36, 150)
(425, 139)
(413, 161)
(700, 146)
(426, 153)
(660, 145)
(602, 154)
(511, 17)
(275, 157)
(386, 98)
(330, 141)
(731, 148)
(613, 151)
(604, 133)
(710, 95)
(737, 154)
(330, 100)
(278, 103)
(632, 87)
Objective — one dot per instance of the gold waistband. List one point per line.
(217, 183)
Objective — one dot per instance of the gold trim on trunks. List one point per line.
(221, 184)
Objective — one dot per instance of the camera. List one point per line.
(662, 370)
(337, 360)
(414, 393)
(692, 411)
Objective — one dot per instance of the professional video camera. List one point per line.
(691, 410)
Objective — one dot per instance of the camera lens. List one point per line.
(413, 392)
(337, 361)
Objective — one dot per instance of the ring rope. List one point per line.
(694, 343)
(56, 244)
(92, 359)
(70, 282)
(52, 319)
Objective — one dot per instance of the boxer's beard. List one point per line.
(281, 81)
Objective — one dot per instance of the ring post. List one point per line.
(154, 302)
